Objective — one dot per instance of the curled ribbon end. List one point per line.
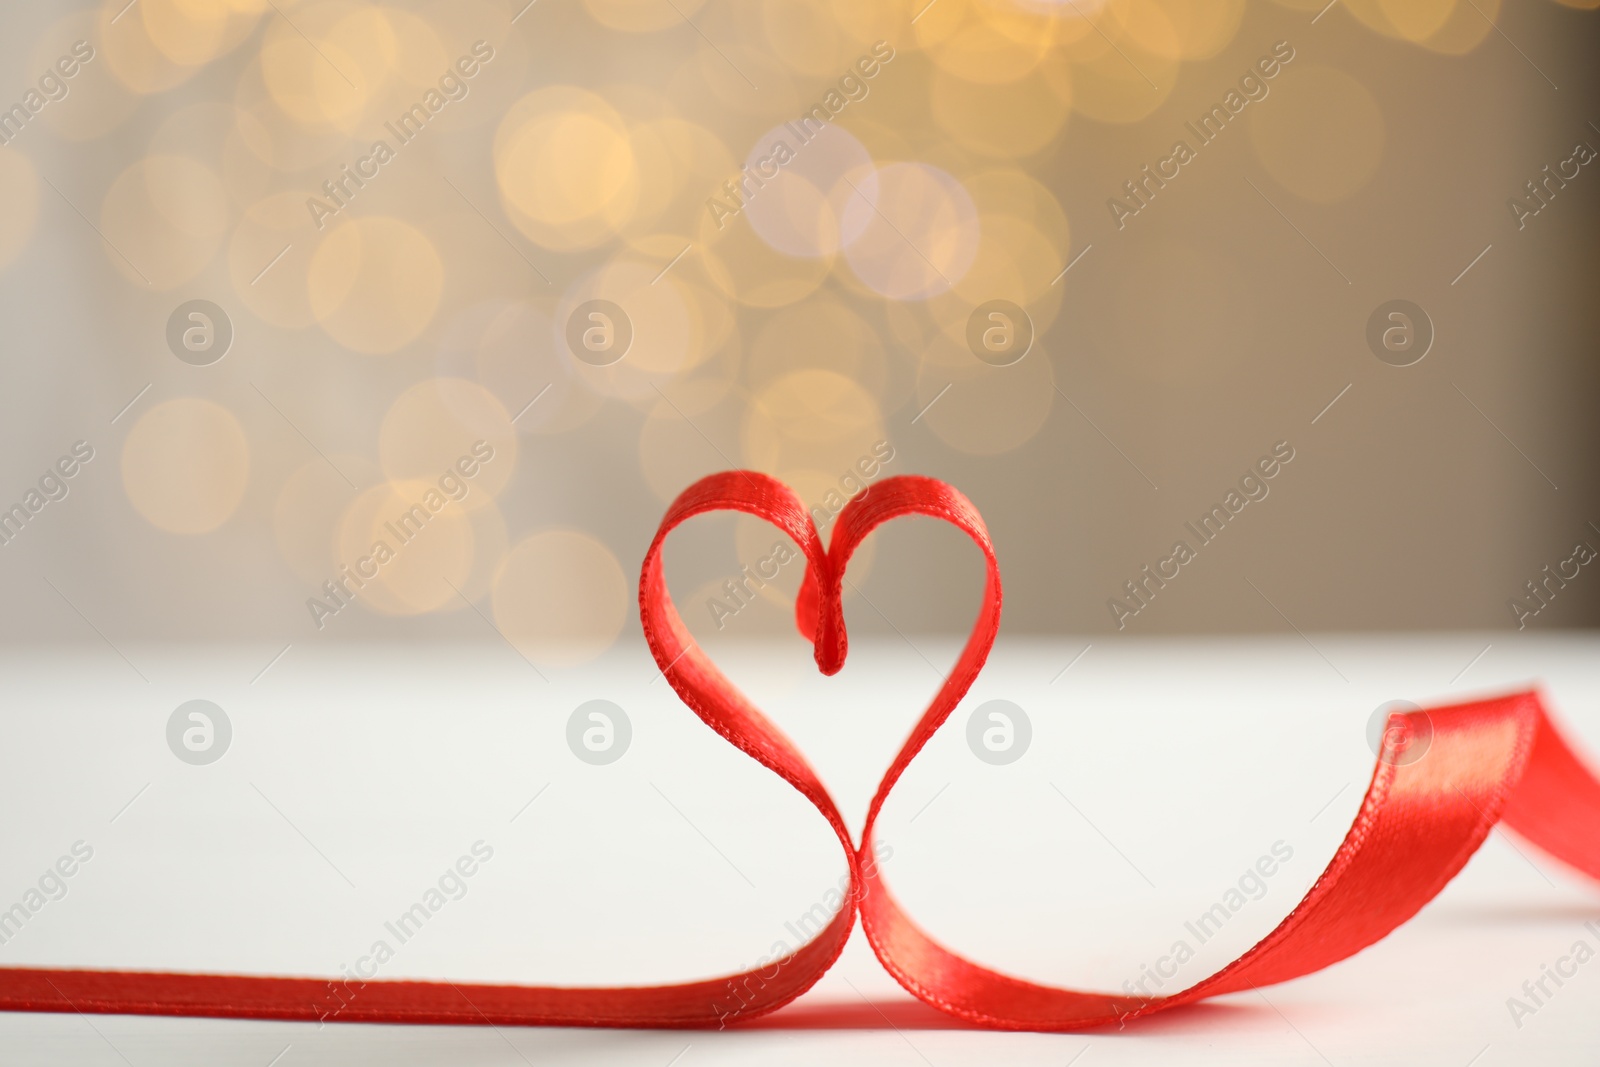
(826, 633)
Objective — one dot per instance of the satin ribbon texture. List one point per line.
(1489, 761)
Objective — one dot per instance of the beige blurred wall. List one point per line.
(1176, 352)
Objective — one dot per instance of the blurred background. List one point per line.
(489, 284)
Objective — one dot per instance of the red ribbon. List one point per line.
(1490, 760)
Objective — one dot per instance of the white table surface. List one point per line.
(1158, 771)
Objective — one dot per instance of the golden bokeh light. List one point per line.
(1324, 139)
(561, 598)
(795, 192)
(308, 509)
(131, 56)
(491, 540)
(821, 333)
(185, 465)
(918, 231)
(326, 66)
(197, 130)
(509, 347)
(641, 16)
(808, 36)
(164, 218)
(409, 545)
(374, 283)
(276, 138)
(984, 42)
(1413, 20)
(808, 213)
(246, 180)
(566, 168)
(419, 53)
(192, 33)
(738, 79)
(885, 139)
(193, 130)
(912, 325)
(451, 432)
(1004, 120)
(1018, 194)
(1468, 26)
(475, 271)
(665, 335)
(663, 148)
(1120, 84)
(810, 419)
(269, 264)
(746, 269)
(862, 24)
(1451, 27)
(1179, 29)
(716, 322)
(686, 162)
(1016, 261)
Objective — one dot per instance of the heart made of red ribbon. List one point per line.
(1420, 821)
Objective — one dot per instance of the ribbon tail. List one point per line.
(1556, 805)
(1422, 818)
